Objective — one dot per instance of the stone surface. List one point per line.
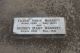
(39, 25)
(21, 8)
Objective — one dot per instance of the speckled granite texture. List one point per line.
(70, 9)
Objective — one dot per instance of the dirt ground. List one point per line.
(69, 9)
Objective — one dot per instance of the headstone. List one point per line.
(39, 25)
